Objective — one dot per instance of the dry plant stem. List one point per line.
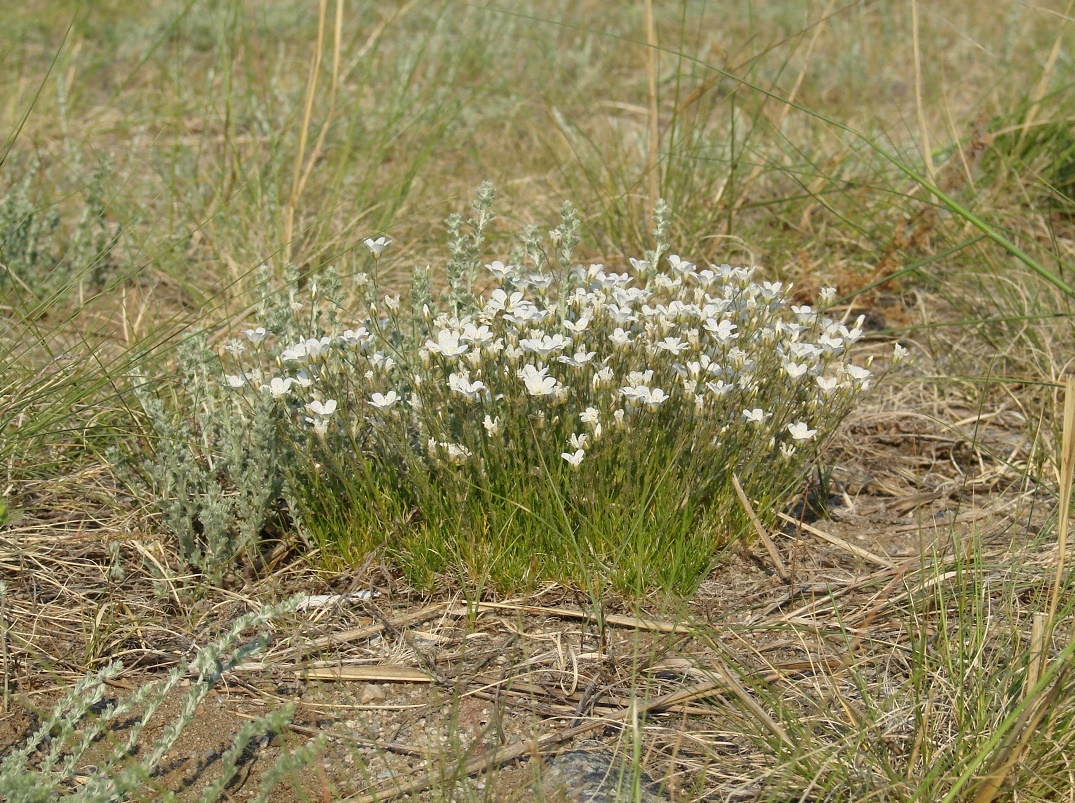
(304, 131)
(1011, 750)
(832, 539)
(1067, 474)
(770, 547)
(653, 158)
(1046, 74)
(337, 39)
(927, 156)
(381, 673)
(536, 746)
(778, 125)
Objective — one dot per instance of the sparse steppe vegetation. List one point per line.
(901, 629)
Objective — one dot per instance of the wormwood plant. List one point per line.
(41, 253)
(81, 729)
(548, 419)
(211, 461)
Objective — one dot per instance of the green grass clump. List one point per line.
(549, 420)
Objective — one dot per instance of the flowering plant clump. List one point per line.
(547, 419)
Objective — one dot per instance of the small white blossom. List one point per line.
(355, 337)
(462, 385)
(580, 359)
(899, 353)
(447, 344)
(492, 425)
(577, 326)
(574, 459)
(756, 416)
(636, 394)
(590, 416)
(656, 398)
(545, 345)
(800, 431)
(235, 381)
(377, 246)
(303, 379)
(323, 410)
(827, 384)
(620, 339)
(603, 378)
(384, 401)
(279, 386)
(795, 370)
(320, 426)
(579, 441)
(255, 336)
(500, 270)
(673, 345)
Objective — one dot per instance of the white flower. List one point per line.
(574, 459)
(545, 345)
(295, 353)
(859, 376)
(577, 326)
(384, 401)
(723, 331)
(826, 296)
(392, 302)
(672, 344)
(590, 416)
(680, 265)
(787, 450)
(355, 337)
(603, 377)
(322, 410)
(639, 377)
(580, 359)
(800, 431)
(578, 441)
(462, 385)
(235, 381)
(476, 334)
(320, 426)
(899, 353)
(795, 370)
(656, 398)
(499, 269)
(376, 246)
(381, 361)
(756, 416)
(499, 301)
(539, 281)
(832, 345)
(447, 344)
(620, 338)
(255, 336)
(720, 387)
(279, 386)
(303, 379)
(636, 394)
(492, 425)
(807, 352)
(538, 385)
(827, 384)
(640, 265)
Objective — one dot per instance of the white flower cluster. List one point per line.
(583, 357)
